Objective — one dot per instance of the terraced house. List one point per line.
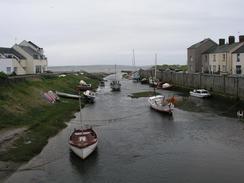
(219, 58)
(23, 58)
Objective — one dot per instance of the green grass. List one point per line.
(21, 104)
(143, 94)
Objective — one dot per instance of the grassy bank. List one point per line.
(22, 104)
(143, 94)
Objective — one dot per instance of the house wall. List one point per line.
(29, 60)
(220, 62)
(42, 63)
(6, 62)
(196, 53)
(235, 63)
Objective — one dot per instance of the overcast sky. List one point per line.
(79, 32)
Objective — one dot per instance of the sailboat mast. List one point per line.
(80, 111)
(155, 71)
(133, 59)
(115, 72)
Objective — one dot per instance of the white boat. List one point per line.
(200, 93)
(89, 95)
(166, 86)
(68, 95)
(83, 141)
(160, 104)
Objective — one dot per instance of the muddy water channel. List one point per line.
(137, 144)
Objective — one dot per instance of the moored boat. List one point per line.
(200, 93)
(83, 142)
(160, 104)
(115, 85)
(166, 86)
(89, 95)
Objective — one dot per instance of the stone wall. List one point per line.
(221, 85)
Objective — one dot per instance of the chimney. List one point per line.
(221, 42)
(231, 39)
(241, 38)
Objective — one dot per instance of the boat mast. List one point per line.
(115, 72)
(80, 111)
(134, 60)
(155, 71)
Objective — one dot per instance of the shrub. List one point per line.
(3, 75)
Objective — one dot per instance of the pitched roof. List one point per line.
(30, 51)
(11, 51)
(222, 48)
(33, 44)
(240, 50)
(201, 43)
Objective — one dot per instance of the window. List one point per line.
(224, 68)
(214, 58)
(8, 70)
(214, 68)
(38, 69)
(191, 58)
(238, 69)
(15, 69)
(238, 57)
(223, 57)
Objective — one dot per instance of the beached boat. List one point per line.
(160, 104)
(144, 81)
(83, 86)
(68, 95)
(83, 141)
(166, 86)
(200, 93)
(89, 95)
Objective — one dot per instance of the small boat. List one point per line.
(102, 83)
(115, 85)
(152, 82)
(200, 93)
(89, 95)
(144, 81)
(67, 95)
(166, 86)
(83, 141)
(160, 104)
(83, 86)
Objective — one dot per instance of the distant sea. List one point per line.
(95, 68)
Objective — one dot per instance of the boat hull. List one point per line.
(83, 153)
(199, 95)
(156, 104)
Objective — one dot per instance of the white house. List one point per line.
(23, 58)
(238, 61)
(36, 60)
(11, 61)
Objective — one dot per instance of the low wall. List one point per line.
(222, 85)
